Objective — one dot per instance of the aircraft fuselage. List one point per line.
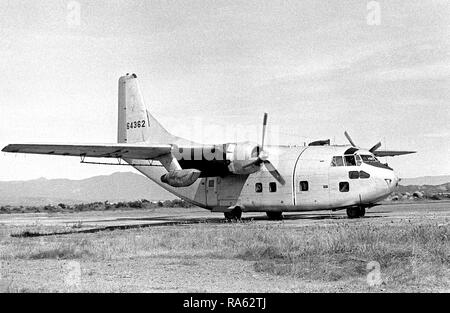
(312, 182)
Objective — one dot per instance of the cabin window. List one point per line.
(258, 187)
(272, 187)
(353, 174)
(211, 183)
(363, 174)
(337, 161)
(350, 160)
(304, 185)
(344, 186)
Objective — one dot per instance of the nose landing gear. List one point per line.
(355, 212)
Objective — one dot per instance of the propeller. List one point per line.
(349, 139)
(373, 149)
(263, 157)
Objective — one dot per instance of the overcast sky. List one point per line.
(209, 69)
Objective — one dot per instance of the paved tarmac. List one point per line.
(93, 221)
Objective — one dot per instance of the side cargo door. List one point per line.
(211, 191)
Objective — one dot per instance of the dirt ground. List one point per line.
(125, 251)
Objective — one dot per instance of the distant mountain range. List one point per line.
(426, 180)
(120, 186)
(425, 189)
(128, 186)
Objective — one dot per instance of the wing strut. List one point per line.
(119, 163)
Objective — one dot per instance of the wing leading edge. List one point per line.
(192, 158)
(143, 152)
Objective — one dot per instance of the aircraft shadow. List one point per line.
(323, 217)
(169, 221)
(160, 222)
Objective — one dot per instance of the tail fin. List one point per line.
(135, 123)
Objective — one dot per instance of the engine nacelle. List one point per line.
(241, 154)
(181, 178)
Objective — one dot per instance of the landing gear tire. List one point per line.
(355, 212)
(362, 212)
(275, 216)
(234, 214)
(228, 216)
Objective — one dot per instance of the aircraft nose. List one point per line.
(391, 180)
(396, 180)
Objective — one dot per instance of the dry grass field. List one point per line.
(190, 250)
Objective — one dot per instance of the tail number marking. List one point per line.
(136, 124)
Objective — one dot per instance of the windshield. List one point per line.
(346, 160)
(350, 160)
(369, 159)
(373, 161)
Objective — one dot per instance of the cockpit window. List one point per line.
(337, 161)
(350, 160)
(346, 160)
(369, 158)
(358, 160)
(364, 175)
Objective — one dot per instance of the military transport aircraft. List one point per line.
(239, 177)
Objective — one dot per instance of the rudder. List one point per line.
(135, 123)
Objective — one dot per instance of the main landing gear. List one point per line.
(234, 214)
(275, 216)
(355, 212)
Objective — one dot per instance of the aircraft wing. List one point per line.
(144, 152)
(386, 153)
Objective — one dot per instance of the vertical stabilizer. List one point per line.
(135, 123)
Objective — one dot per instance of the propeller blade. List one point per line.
(349, 139)
(264, 131)
(254, 161)
(375, 147)
(272, 170)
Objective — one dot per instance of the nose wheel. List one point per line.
(355, 212)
